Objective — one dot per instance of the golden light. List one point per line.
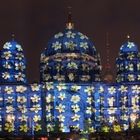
(10, 118)
(133, 117)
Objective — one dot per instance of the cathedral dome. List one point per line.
(70, 41)
(70, 56)
(128, 63)
(12, 63)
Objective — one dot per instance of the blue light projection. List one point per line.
(70, 93)
(70, 57)
(128, 63)
(12, 64)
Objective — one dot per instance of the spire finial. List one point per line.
(69, 14)
(13, 37)
(69, 23)
(128, 37)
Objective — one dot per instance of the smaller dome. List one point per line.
(128, 63)
(129, 47)
(12, 63)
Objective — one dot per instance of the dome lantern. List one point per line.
(69, 24)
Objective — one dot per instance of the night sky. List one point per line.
(34, 22)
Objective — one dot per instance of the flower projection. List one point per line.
(128, 63)
(23, 112)
(70, 94)
(67, 105)
(80, 61)
(12, 63)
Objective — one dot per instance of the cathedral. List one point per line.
(71, 94)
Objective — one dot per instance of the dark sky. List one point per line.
(34, 22)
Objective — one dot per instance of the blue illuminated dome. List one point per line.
(70, 56)
(129, 47)
(70, 41)
(128, 63)
(12, 64)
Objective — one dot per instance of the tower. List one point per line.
(107, 76)
(12, 64)
(128, 63)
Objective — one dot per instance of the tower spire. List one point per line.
(69, 24)
(108, 73)
(107, 52)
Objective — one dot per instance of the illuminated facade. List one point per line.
(70, 92)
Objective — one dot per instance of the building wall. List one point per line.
(41, 108)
